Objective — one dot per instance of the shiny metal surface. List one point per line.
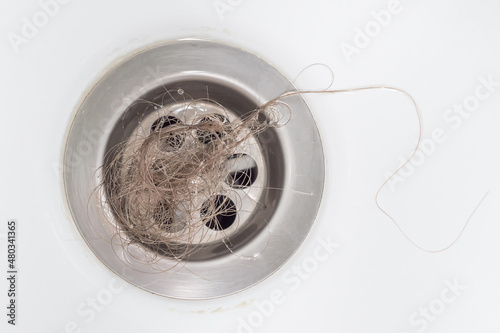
(283, 200)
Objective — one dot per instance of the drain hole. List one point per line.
(164, 218)
(216, 129)
(163, 122)
(220, 212)
(242, 171)
(173, 141)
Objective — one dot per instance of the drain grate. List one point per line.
(238, 198)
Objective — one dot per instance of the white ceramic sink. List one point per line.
(355, 272)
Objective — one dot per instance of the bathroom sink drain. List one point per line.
(267, 202)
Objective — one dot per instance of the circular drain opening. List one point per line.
(219, 211)
(164, 218)
(173, 141)
(267, 202)
(217, 123)
(242, 170)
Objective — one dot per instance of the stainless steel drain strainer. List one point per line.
(276, 178)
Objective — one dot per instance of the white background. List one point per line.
(375, 281)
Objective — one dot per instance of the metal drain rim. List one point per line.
(303, 178)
